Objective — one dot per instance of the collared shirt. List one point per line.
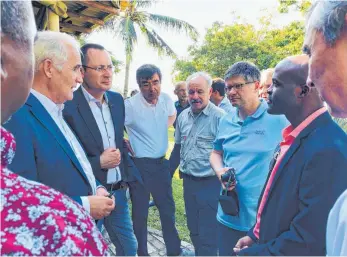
(248, 147)
(179, 109)
(103, 118)
(226, 105)
(147, 124)
(337, 228)
(55, 111)
(289, 135)
(195, 134)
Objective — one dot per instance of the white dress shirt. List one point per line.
(103, 118)
(147, 123)
(55, 111)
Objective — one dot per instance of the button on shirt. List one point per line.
(248, 146)
(147, 125)
(226, 105)
(195, 134)
(55, 111)
(289, 135)
(103, 118)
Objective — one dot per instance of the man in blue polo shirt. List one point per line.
(246, 141)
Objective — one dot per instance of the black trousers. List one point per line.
(157, 181)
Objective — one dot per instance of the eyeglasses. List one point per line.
(101, 68)
(237, 86)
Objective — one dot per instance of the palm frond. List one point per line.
(173, 23)
(156, 41)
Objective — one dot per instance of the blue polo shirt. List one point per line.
(248, 146)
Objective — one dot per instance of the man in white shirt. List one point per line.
(148, 115)
(47, 149)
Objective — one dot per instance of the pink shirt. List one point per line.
(289, 135)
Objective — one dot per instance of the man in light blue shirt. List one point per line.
(246, 141)
(218, 96)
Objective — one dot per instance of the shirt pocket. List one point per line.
(204, 145)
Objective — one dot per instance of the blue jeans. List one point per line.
(119, 226)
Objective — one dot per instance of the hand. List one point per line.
(243, 243)
(110, 158)
(128, 145)
(101, 191)
(100, 206)
(219, 174)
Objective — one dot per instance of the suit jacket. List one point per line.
(43, 154)
(310, 177)
(79, 116)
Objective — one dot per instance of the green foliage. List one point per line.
(298, 5)
(342, 123)
(117, 64)
(226, 44)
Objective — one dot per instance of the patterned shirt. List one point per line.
(38, 220)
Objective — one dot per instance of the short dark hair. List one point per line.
(147, 71)
(218, 84)
(15, 17)
(85, 48)
(247, 70)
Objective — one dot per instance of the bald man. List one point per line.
(307, 173)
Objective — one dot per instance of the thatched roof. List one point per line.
(76, 17)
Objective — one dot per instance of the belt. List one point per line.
(150, 160)
(116, 186)
(187, 176)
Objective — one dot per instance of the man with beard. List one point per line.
(308, 171)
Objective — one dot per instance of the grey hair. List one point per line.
(247, 70)
(265, 74)
(327, 17)
(53, 45)
(178, 84)
(202, 74)
(17, 21)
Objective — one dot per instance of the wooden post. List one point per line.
(53, 21)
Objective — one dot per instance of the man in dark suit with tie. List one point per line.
(47, 150)
(307, 174)
(97, 117)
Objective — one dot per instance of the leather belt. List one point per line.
(150, 160)
(187, 176)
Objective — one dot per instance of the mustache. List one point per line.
(194, 101)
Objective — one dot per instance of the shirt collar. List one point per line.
(205, 111)
(91, 98)
(260, 110)
(50, 106)
(144, 101)
(289, 131)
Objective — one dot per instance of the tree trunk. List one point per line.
(126, 81)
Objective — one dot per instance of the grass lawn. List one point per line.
(177, 188)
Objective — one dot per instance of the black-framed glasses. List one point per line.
(101, 68)
(228, 88)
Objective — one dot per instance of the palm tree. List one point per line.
(133, 15)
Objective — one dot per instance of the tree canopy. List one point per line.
(224, 45)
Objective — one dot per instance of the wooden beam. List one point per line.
(99, 6)
(82, 17)
(53, 21)
(76, 28)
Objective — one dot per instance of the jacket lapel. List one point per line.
(41, 114)
(325, 117)
(88, 117)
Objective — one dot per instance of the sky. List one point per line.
(199, 13)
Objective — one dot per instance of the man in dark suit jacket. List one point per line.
(308, 172)
(47, 150)
(97, 117)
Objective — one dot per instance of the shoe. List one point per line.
(186, 252)
(151, 204)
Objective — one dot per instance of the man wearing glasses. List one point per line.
(246, 141)
(97, 117)
(148, 115)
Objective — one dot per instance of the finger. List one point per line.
(236, 250)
